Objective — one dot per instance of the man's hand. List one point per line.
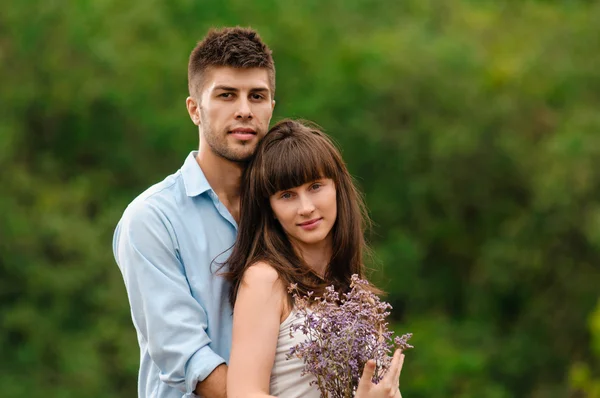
(388, 387)
(215, 385)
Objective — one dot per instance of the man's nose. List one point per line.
(244, 111)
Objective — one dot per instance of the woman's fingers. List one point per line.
(399, 370)
(389, 384)
(368, 372)
(393, 369)
(391, 377)
(397, 376)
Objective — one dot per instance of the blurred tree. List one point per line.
(583, 382)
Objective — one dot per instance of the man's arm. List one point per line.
(214, 386)
(170, 320)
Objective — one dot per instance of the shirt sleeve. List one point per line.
(164, 312)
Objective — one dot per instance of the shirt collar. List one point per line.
(193, 178)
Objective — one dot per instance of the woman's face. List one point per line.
(306, 213)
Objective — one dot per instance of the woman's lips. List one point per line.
(311, 224)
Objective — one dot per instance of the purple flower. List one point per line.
(343, 334)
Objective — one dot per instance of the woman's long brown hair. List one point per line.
(294, 153)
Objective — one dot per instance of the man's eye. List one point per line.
(257, 96)
(225, 95)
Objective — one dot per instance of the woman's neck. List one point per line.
(317, 256)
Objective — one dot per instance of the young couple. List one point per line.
(252, 211)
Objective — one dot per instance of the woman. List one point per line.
(301, 222)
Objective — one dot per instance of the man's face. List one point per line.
(234, 111)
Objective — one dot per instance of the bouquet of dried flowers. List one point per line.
(343, 333)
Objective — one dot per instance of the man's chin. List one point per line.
(239, 157)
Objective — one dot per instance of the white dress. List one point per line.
(286, 381)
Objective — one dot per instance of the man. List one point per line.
(169, 236)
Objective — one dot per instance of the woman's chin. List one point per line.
(310, 239)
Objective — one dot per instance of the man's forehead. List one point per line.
(239, 78)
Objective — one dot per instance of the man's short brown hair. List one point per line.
(234, 47)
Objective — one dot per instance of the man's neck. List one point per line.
(224, 177)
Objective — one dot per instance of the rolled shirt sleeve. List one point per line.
(166, 315)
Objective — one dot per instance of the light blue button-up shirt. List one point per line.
(165, 245)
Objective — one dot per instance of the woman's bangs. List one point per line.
(292, 165)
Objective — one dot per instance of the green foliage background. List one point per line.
(472, 127)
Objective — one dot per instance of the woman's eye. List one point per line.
(316, 186)
(286, 195)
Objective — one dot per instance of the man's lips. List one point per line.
(243, 133)
(242, 130)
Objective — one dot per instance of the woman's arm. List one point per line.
(256, 319)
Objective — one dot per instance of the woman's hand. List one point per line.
(388, 387)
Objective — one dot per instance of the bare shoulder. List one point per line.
(262, 282)
(263, 277)
(260, 273)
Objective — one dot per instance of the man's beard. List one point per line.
(220, 148)
(218, 145)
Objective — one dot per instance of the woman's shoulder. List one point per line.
(262, 280)
(261, 273)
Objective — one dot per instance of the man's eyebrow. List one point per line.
(233, 89)
(259, 89)
(225, 88)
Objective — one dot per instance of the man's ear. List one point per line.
(193, 109)
(272, 104)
